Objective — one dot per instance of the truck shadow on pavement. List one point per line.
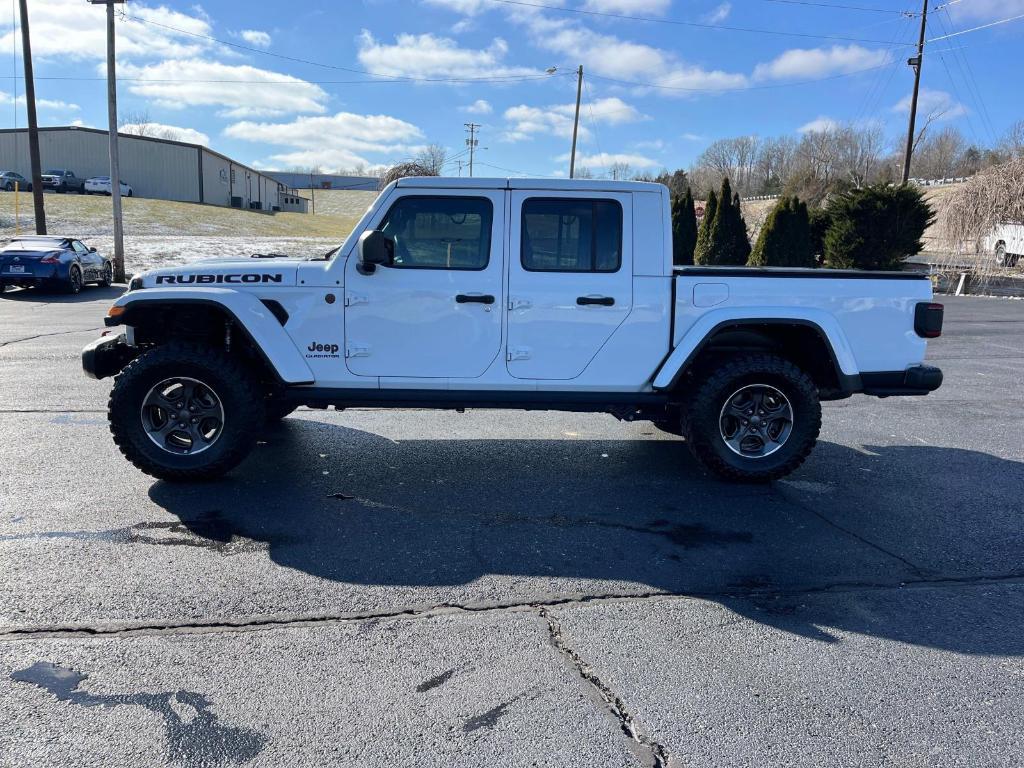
(575, 518)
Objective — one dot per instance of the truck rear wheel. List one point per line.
(753, 419)
(185, 412)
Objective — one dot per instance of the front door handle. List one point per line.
(468, 298)
(604, 301)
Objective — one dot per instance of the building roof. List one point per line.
(103, 132)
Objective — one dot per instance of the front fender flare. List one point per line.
(248, 312)
(706, 326)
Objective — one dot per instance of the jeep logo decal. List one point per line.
(316, 349)
(250, 277)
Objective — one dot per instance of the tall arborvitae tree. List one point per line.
(702, 253)
(728, 244)
(785, 238)
(684, 229)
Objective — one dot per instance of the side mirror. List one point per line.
(375, 248)
(92, 249)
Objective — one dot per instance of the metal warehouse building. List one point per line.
(159, 168)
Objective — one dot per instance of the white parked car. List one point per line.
(508, 293)
(100, 185)
(1006, 243)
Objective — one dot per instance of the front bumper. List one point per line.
(106, 356)
(916, 380)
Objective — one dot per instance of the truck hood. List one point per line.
(223, 273)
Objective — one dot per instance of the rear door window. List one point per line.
(567, 235)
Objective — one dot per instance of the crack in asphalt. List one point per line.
(799, 502)
(659, 754)
(285, 621)
(44, 335)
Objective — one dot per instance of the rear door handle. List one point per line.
(604, 301)
(472, 298)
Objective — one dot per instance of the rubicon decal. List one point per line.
(315, 349)
(248, 277)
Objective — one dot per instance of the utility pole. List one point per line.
(471, 142)
(576, 122)
(459, 163)
(915, 62)
(33, 125)
(115, 158)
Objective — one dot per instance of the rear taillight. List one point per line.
(50, 258)
(928, 320)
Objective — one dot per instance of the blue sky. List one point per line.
(341, 83)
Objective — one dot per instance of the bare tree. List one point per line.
(136, 122)
(432, 157)
(774, 164)
(1012, 144)
(583, 173)
(859, 153)
(402, 170)
(619, 171)
(939, 155)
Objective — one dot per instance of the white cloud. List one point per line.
(813, 62)
(430, 56)
(466, 7)
(557, 119)
(613, 57)
(241, 90)
(691, 136)
(718, 13)
(77, 30)
(819, 125)
(606, 159)
(332, 142)
(938, 103)
(986, 10)
(478, 107)
(164, 131)
(656, 144)
(255, 37)
(628, 7)
(820, 62)
(54, 105)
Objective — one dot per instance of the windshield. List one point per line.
(32, 245)
(54, 173)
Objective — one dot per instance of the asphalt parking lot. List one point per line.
(499, 588)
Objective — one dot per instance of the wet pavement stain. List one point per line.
(435, 681)
(198, 740)
(206, 532)
(488, 719)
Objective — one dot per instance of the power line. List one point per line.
(310, 62)
(972, 29)
(970, 82)
(844, 7)
(742, 88)
(680, 22)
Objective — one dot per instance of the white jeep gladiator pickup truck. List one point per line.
(507, 293)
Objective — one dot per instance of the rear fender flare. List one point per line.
(249, 314)
(705, 328)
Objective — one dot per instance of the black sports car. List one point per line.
(52, 261)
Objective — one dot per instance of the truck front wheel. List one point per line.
(185, 412)
(753, 419)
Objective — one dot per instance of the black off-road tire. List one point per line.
(237, 388)
(673, 424)
(702, 414)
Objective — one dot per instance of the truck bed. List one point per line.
(826, 274)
